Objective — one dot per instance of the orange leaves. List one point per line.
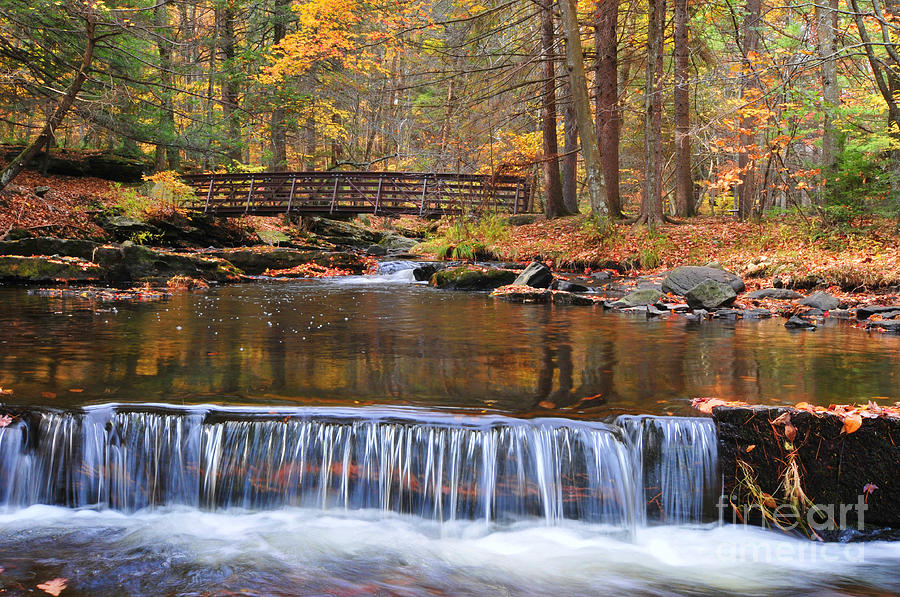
(851, 423)
(790, 432)
(5, 420)
(706, 405)
(54, 587)
(308, 270)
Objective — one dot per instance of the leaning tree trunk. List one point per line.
(578, 83)
(684, 180)
(608, 117)
(553, 201)
(22, 160)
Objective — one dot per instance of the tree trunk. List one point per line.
(21, 161)
(684, 180)
(277, 125)
(578, 83)
(747, 188)
(607, 83)
(166, 152)
(826, 22)
(553, 201)
(651, 201)
(230, 88)
(569, 161)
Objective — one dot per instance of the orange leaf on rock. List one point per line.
(790, 432)
(783, 419)
(54, 587)
(851, 423)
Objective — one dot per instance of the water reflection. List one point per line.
(315, 342)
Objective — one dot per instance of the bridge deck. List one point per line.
(379, 193)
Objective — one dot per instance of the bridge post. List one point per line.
(516, 200)
(291, 197)
(378, 194)
(249, 193)
(424, 190)
(334, 194)
(208, 194)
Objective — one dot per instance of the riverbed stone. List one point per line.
(639, 298)
(255, 261)
(821, 300)
(889, 325)
(798, 323)
(45, 245)
(567, 286)
(20, 269)
(710, 294)
(528, 294)
(395, 243)
(472, 278)
(867, 311)
(536, 275)
(681, 279)
(778, 294)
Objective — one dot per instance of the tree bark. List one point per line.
(65, 103)
(553, 200)
(230, 88)
(826, 23)
(607, 99)
(569, 160)
(747, 188)
(277, 127)
(578, 83)
(651, 201)
(166, 153)
(684, 180)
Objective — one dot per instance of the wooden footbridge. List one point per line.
(378, 193)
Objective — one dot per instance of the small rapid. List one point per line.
(435, 466)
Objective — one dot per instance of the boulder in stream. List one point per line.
(710, 294)
(472, 278)
(822, 301)
(681, 279)
(536, 275)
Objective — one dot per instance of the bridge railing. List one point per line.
(379, 193)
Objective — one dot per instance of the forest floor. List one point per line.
(794, 250)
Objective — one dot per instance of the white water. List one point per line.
(302, 551)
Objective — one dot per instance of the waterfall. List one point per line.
(437, 466)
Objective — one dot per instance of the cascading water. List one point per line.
(436, 466)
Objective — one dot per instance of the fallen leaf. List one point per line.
(48, 395)
(750, 448)
(54, 587)
(790, 432)
(783, 419)
(851, 424)
(76, 390)
(547, 404)
(769, 501)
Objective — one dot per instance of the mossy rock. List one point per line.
(472, 278)
(45, 245)
(256, 261)
(543, 296)
(22, 269)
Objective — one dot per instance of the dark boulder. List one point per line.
(425, 271)
(681, 279)
(567, 286)
(710, 294)
(536, 275)
(822, 301)
(472, 278)
(779, 294)
(868, 311)
(891, 325)
(798, 323)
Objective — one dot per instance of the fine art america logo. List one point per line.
(813, 521)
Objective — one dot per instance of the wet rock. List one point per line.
(527, 294)
(710, 294)
(19, 269)
(256, 261)
(536, 275)
(866, 311)
(83, 249)
(394, 243)
(472, 278)
(890, 325)
(376, 250)
(344, 234)
(601, 276)
(654, 311)
(425, 271)
(798, 323)
(779, 294)
(821, 300)
(757, 314)
(839, 314)
(567, 286)
(122, 228)
(681, 279)
(639, 298)
(130, 262)
(730, 314)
